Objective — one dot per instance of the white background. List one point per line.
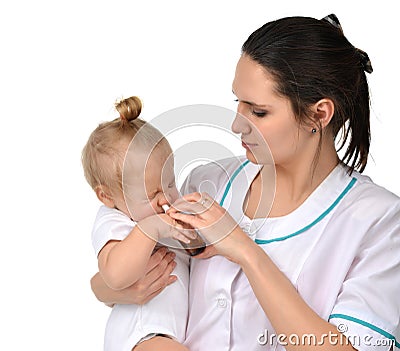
(62, 65)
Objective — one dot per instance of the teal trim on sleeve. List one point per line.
(322, 216)
(368, 325)
(234, 175)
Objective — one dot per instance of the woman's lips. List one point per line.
(248, 146)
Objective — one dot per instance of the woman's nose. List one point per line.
(240, 124)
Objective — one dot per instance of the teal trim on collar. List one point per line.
(368, 325)
(234, 175)
(324, 214)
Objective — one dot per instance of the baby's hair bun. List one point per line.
(129, 108)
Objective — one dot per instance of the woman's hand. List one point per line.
(157, 277)
(200, 211)
(161, 226)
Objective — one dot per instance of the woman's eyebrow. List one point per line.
(252, 103)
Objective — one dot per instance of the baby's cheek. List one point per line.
(143, 211)
(151, 210)
(174, 195)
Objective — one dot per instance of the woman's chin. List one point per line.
(259, 160)
(250, 156)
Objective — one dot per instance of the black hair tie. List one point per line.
(364, 58)
(365, 61)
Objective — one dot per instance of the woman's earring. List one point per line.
(314, 130)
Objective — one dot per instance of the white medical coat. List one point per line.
(340, 249)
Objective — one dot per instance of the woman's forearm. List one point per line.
(287, 311)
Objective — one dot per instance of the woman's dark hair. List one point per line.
(310, 60)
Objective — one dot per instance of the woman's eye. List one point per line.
(259, 113)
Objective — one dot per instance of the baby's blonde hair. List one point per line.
(104, 152)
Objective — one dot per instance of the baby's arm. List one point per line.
(158, 276)
(122, 263)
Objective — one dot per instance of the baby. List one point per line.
(129, 165)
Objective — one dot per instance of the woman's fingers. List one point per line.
(161, 254)
(158, 276)
(194, 203)
(157, 286)
(179, 236)
(200, 211)
(180, 230)
(167, 264)
(185, 218)
(214, 224)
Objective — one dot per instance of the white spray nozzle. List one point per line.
(165, 207)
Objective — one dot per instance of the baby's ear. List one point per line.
(103, 194)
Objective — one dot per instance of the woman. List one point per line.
(324, 258)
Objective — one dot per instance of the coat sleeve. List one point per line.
(367, 309)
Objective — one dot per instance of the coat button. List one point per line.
(221, 302)
(245, 227)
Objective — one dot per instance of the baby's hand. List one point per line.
(162, 226)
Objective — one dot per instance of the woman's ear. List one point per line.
(103, 194)
(323, 111)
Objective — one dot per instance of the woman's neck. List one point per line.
(299, 182)
(294, 183)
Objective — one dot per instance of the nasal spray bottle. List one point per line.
(196, 246)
